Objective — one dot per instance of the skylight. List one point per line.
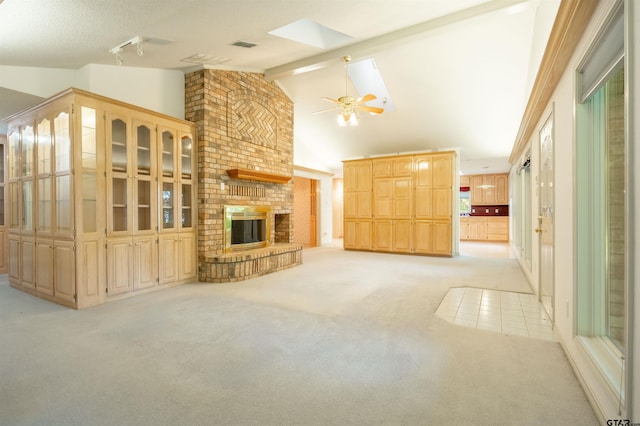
(311, 33)
(367, 79)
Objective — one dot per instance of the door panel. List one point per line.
(401, 234)
(119, 258)
(545, 219)
(65, 267)
(44, 272)
(168, 267)
(423, 242)
(145, 263)
(402, 198)
(383, 198)
(382, 235)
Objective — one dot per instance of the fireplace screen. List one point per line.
(246, 227)
(244, 231)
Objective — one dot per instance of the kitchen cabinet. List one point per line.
(411, 199)
(484, 228)
(93, 185)
(489, 189)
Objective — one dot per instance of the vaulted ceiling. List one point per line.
(459, 72)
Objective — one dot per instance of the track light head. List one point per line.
(117, 51)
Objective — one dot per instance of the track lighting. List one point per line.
(117, 51)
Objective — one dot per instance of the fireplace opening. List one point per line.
(246, 227)
(244, 231)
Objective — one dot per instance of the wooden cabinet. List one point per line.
(93, 184)
(411, 199)
(502, 189)
(497, 228)
(483, 228)
(357, 234)
(489, 189)
(357, 190)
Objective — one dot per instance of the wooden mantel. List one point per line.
(257, 175)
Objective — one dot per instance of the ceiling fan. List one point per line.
(348, 106)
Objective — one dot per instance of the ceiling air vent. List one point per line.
(244, 44)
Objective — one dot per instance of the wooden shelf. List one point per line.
(257, 175)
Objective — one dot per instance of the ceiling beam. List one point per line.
(375, 44)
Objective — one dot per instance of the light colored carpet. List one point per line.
(345, 338)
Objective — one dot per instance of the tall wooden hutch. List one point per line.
(101, 198)
(400, 204)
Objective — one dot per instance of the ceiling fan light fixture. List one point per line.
(345, 118)
(347, 106)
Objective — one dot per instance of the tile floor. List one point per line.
(503, 312)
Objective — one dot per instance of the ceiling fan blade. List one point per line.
(366, 98)
(335, 101)
(373, 110)
(324, 110)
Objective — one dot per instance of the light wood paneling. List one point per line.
(402, 236)
(168, 258)
(119, 266)
(412, 202)
(382, 235)
(44, 271)
(65, 270)
(145, 262)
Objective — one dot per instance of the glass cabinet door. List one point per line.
(119, 204)
(167, 154)
(168, 207)
(62, 142)
(44, 205)
(145, 171)
(27, 151)
(62, 172)
(63, 204)
(119, 177)
(43, 161)
(27, 144)
(27, 205)
(185, 156)
(13, 150)
(89, 166)
(186, 206)
(168, 179)
(14, 155)
(118, 146)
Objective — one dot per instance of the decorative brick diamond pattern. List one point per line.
(252, 122)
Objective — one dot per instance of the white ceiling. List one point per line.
(459, 71)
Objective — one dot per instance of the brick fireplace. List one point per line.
(245, 158)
